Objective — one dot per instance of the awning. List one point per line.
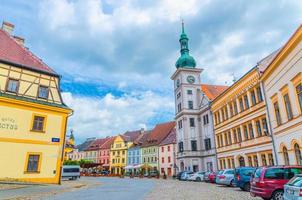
(129, 167)
(137, 166)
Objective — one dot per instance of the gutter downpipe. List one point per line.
(269, 120)
(213, 128)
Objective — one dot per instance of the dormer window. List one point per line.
(43, 92)
(12, 85)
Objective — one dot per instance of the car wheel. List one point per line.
(198, 179)
(277, 195)
(231, 183)
(247, 187)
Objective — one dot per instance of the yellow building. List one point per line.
(33, 116)
(118, 154)
(69, 145)
(240, 122)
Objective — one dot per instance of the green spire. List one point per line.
(185, 60)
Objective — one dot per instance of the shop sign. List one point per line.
(7, 123)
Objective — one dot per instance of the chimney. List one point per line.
(19, 40)
(8, 27)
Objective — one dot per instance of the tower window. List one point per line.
(192, 122)
(194, 145)
(189, 92)
(190, 104)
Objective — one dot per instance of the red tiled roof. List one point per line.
(14, 53)
(131, 136)
(170, 139)
(213, 91)
(108, 143)
(96, 144)
(158, 134)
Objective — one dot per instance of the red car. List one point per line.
(210, 177)
(268, 182)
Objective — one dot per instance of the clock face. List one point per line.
(191, 79)
(177, 83)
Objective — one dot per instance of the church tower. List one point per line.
(187, 93)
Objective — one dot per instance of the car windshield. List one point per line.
(296, 181)
(229, 172)
(258, 173)
(220, 172)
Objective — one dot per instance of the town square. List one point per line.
(147, 100)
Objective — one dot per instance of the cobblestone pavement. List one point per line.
(181, 190)
(126, 189)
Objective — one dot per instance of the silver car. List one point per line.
(293, 189)
(226, 177)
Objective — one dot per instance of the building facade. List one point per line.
(194, 131)
(282, 83)
(241, 124)
(149, 148)
(33, 116)
(167, 155)
(104, 153)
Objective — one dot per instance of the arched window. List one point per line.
(241, 161)
(285, 156)
(298, 154)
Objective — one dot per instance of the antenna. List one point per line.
(234, 77)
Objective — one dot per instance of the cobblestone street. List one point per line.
(126, 189)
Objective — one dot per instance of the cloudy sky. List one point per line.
(116, 57)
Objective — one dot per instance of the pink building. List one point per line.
(104, 153)
(167, 158)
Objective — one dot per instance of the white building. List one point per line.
(195, 137)
(282, 83)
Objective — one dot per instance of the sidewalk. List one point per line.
(30, 191)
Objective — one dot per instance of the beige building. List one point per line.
(240, 123)
(282, 82)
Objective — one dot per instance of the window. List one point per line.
(251, 130)
(180, 124)
(246, 134)
(205, 119)
(264, 125)
(259, 131)
(274, 173)
(189, 92)
(179, 107)
(285, 156)
(271, 159)
(249, 158)
(43, 92)
(162, 149)
(298, 154)
(168, 148)
(33, 163)
(288, 107)
(299, 94)
(180, 146)
(178, 95)
(12, 86)
(194, 145)
(207, 144)
(190, 104)
(163, 160)
(259, 94)
(231, 110)
(239, 134)
(263, 159)
(235, 136)
(253, 96)
(226, 112)
(192, 122)
(169, 159)
(241, 105)
(255, 161)
(277, 113)
(230, 137)
(235, 108)
(38, 123)
(226, 139)
(246, 102)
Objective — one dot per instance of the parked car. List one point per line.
(104, 172)
(178, 175)
(268, 182)
(243, 177)
(151, 174)
(210, 177)
(197, 176)
(225, 177)
(185, 175)
(293, 189)
(71, 172)
(218, 173)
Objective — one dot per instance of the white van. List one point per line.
(71, 172)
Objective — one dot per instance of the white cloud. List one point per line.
(110, 115)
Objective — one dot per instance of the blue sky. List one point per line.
(116, 57)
